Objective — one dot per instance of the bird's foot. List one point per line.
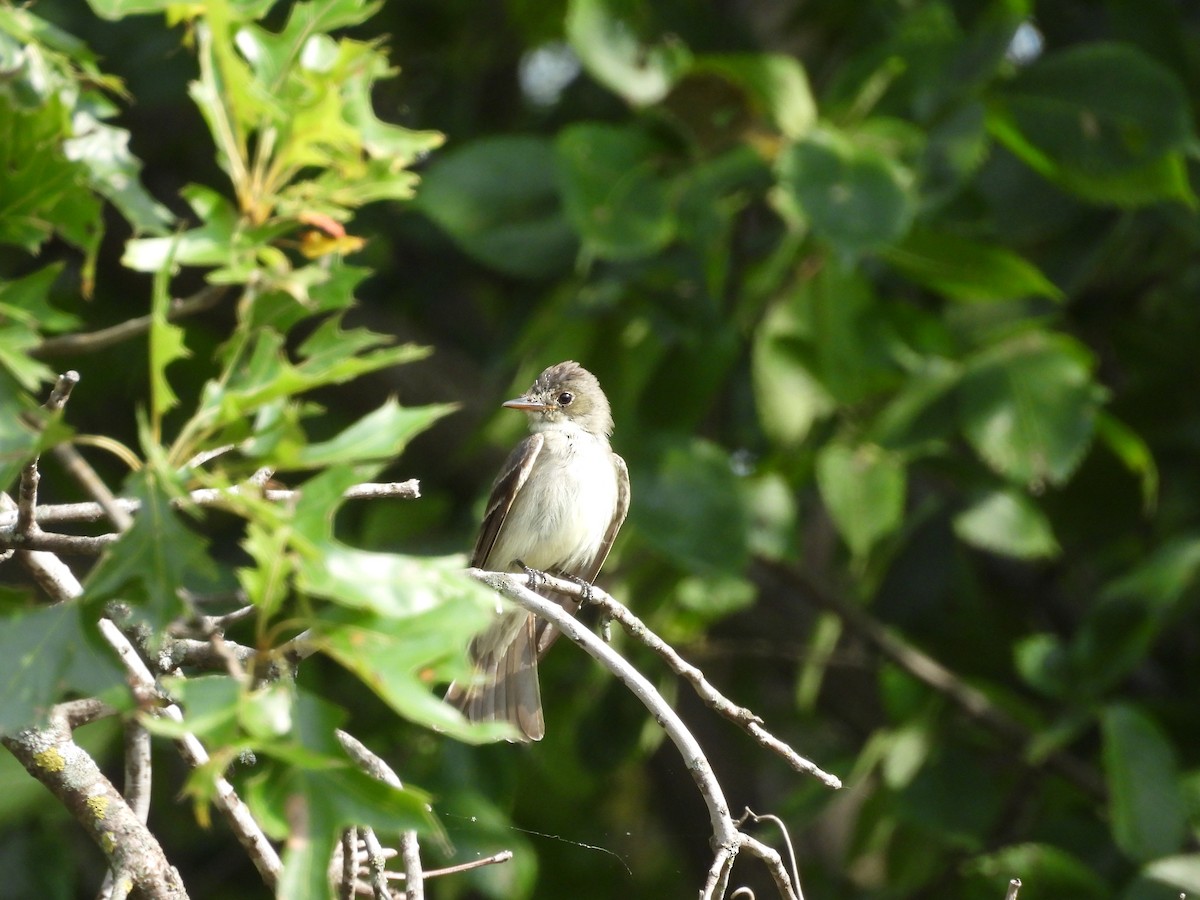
(536, 577)
(585, 588)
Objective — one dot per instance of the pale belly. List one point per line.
(563, 511)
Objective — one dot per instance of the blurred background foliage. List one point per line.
(896, 306)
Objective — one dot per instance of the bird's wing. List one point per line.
(508, 484)
(547, 633)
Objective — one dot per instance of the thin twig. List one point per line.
(1014, 888)
(920, 665)
(376, 866)
(713, 698)
(62, 585)
(91, 342)
(724, 832)
(414, 880)
(495, 859)
(349, 863)
(206, 497)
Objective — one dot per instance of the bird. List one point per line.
(556, 507)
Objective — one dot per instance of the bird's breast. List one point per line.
(564, 509)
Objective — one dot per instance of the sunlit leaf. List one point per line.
(1007, 522)
(777, 83)
(379, 435)
(611, 52)
(863, 489)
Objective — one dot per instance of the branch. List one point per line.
(923, 667)
(51, 756)
(62, 585)
(713, 698)
(90, 342)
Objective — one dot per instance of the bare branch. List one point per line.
(414, 880)
(206, 497)
(51, 756)
(62, 585)
(346, 879)
(376, 866)
(972, 701)
(512, 587)
(1014, 888)
(713, 698)
(90, 342)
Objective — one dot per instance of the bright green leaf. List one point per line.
(1028, 406)
(1007, 522)
(379, 435)
(1053, 871)
(27, 300)
(863, 489)
(1149, 817)
(612, 54)
(790, 400)
(1167, 878)
(854, 197)
(776, 83)
(498, 199)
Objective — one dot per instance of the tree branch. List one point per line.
(91, 342)
(51, 756)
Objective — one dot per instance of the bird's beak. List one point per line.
(524, 403)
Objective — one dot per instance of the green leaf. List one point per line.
(1028, 406)
(1133, 452)
(498, 199)
(16, 340)
(155, 561)
(612, 54)
(39, 185)
(789, 398)
(1051, 870)
(46, 654)
(863, 489)
(613, 191)
(115, 173)
(380, 435)
(1102, 119)
(691, 509)
(854, 197)
(166, 346)
(1007, 522)
(405, 653)
(1149, 816)
(27, 300)
(962, 269)
(18, 442)
(778, 84)
(1167, 879)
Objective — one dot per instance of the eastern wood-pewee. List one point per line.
(556, 507)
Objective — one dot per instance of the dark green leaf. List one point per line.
(498, 199)
(1047, 870)
(27, 300)
(1028, 406)
(854, 197)
(776, 83)
(1149, 817)
(963, 269)
(692, 510)
(613, 190)
(155, 561)
(1102, 119)
(1167, 879)
(46, 654)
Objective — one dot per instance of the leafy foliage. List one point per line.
(895, 307)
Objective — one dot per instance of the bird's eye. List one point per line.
(565, 398)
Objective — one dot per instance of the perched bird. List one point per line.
(556, 507)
